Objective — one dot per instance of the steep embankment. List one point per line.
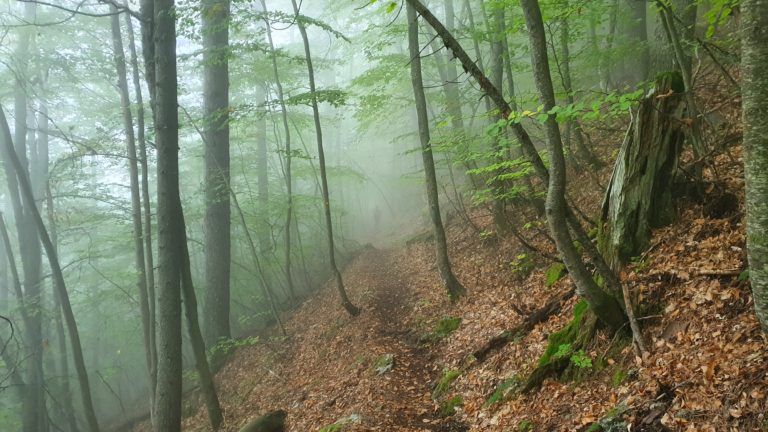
(707, 369)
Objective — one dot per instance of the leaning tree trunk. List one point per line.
(605, 306)
(351, 308)
(754, 60)
(639, 195)
(454, 287)
(29, 202)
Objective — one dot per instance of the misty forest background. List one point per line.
(305, 130)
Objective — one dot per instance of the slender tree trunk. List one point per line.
(133, 168)
(351, 308)
(452, 285)
(217, 242)
(262, 166)
(605, 306)
(288, 155)
(25, 188)
(205, 377)
(754, 60)
(170, 241)
(147, 207)
(638, 64)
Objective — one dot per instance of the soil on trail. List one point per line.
(324, 371)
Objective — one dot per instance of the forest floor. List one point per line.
(707, 369)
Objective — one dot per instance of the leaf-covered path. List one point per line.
(324, 371)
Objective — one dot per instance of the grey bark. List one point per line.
(754, 60)
(351, 308)
(146, 200)
(452, 285)
(217, 241)
(262, 166)
(168, 392)
(639, 195)
(636, 67)
(605, 306)
(133, 168)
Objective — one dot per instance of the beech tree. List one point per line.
(754, 55)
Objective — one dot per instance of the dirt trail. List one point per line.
(324, 371)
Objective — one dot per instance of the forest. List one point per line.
(379, 215)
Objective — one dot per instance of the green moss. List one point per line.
(446, 326)
(502, 390)
(566, 336)
(335, 427)
(554, 273)
(384, 364)
(442, 387)
(448, 407)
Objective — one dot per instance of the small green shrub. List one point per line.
(581, 360)
(619, 377)
(522, 265)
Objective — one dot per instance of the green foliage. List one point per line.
(225, 347)
(341, 424)
(334, 97)
(446, 326)
(448, 407)
(522, 265)
(560, 342)
(444, 384)
(718, 14)
(581, 360)
(554, 273)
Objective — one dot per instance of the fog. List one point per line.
(63, 77)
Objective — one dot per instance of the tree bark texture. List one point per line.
(452, 285)
(217, 241)
(168, 393)
(754, 64)
(605, 306)
(639, 194)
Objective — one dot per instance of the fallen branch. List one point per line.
(538, 316)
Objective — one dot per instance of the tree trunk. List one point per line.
(204, 375)
(639, 195)
(215, 30)
(637, 64)
(168, 393)
(605, 306)
(147, 206)
(453, 286)
(262, 166)
(138, 235)
(754, 60)
(351, 308)
(25, 189)
(288, 155)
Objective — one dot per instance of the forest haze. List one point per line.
(267, 215)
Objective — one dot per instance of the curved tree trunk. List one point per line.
(452, 285)
(605, 306)
(351, 308)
